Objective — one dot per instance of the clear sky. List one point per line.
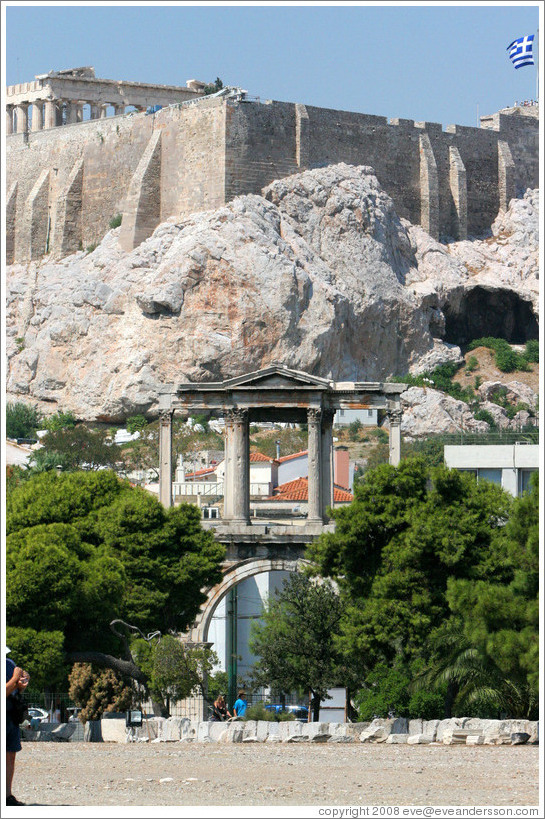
(436, 62)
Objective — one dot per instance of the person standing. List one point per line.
(16, 680)
(240, 706)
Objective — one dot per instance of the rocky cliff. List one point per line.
(319, 273)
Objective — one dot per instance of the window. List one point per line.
(210, 513)
(524, 480)
(492, 475)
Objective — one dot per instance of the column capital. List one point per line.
(165, 417)
(394, 416)
(314, 415)
(237, 415)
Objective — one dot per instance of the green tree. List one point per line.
(85, 548)
(495, 657)
(22, 420)
(60, 420)
(409, 530)
(295, 642)
(136, 423)
(42, 654)
(79, 448)
(175, 670)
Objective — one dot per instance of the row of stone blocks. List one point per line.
(391, 731)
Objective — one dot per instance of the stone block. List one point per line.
(341, 739)
(262, 730)
(519, 738)
(324, 737)
(289, 728)
(475, 739)
(215, 730)
(203, 731)
(398, 739)
(172, 729)
(273, 729)
(455, 737)
(64, 731)
(297, 738)
(453, 724)
(429, 728)
(355, 729)
(419, 739)
(250, 728)
(416, 726)
(312, 729)
(235, 733)
(113, 730)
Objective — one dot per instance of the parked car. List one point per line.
(300, 712)
(34, 712)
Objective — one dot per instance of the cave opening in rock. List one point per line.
(490, 312)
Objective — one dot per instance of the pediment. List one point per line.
(277, 378)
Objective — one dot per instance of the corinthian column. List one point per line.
(237, 466)
(165, 457)
(9, 119)
(394, 417)
(327, 460)
(314, 417)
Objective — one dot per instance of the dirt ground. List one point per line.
(194, 774)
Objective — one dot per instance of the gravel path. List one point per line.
(89, 774)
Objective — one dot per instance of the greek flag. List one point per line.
(520, 51)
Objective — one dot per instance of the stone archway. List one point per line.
(232, 576)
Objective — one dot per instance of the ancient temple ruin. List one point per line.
(58, 98)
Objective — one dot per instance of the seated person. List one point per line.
(219, 710)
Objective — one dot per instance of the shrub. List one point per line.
(22, 420)
(531, 352)
(485, 415)
(354, 429)
(115, 221)
(136, 423)
(471, 364)
(386, 689)
(60, 420)
(259, 712)
(507, 360)
(91, 247)
(426, 705)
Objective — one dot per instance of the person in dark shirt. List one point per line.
(219, 710)
(16, 680)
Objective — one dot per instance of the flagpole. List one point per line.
(537, 67)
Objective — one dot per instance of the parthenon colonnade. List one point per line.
(58, 98)
(274, 394)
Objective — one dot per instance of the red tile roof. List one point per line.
(257, 457)
(208, 471)
(294, 455)
(297, 490)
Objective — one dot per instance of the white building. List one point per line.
(509, 466)
(344, 417)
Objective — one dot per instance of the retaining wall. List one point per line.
(66, 183)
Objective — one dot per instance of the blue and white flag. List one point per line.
(520, 51)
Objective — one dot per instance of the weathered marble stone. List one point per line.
(319, 273)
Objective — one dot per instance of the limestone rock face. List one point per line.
(319, 274)
(428, 411)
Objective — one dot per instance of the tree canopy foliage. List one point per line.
(295, 642)
(419, 548)
(22, 420)
(85, 548)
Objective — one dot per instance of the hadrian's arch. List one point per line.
(233, 576)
